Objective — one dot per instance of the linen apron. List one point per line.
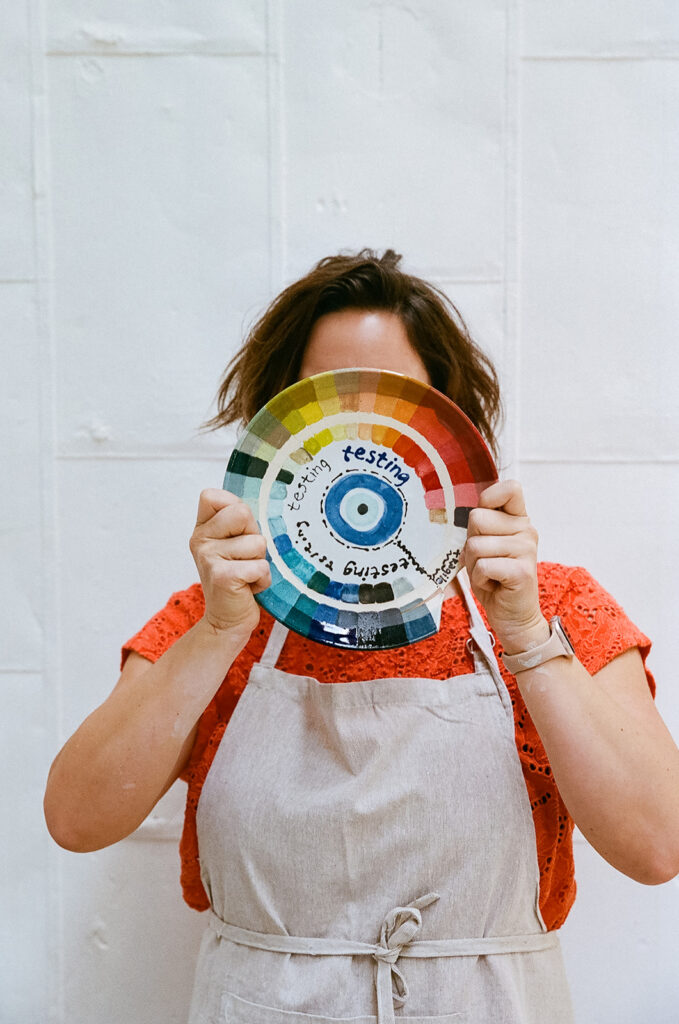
(369, 854)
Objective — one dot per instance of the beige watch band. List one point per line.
(558, 646)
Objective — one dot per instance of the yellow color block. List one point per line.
(311, 412)
(294, 421)
(339, 432)
(327, 396)
(324, 437)
(312, 446)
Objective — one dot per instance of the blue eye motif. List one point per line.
(363, 509)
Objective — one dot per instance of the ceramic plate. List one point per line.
(361, 482)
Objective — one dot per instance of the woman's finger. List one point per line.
(241, 548)
(492, 521)
(211, 500)
(506, 495)
(255, 571)
(230, 521)
(233, 574)
(491, 573)
(517, 545)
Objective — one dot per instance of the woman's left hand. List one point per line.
(500, 555)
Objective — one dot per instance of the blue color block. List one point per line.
(324, 613)
(283, 544)
(334, 590)
(418, 629)
(350, 593)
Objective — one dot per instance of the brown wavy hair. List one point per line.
(271, 356)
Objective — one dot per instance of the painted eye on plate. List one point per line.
(363, 509)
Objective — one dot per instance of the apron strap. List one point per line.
(483, 642)
(397, 939)
(274, 644)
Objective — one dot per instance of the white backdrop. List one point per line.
(166, 168)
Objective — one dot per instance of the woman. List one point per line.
(416, 824)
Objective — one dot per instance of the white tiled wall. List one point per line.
(165, 169)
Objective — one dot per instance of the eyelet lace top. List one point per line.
(598, 626)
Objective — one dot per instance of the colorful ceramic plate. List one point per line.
(361, 482)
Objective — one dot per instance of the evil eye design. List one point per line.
(363, 509)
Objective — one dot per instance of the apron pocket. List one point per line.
(241, 1011)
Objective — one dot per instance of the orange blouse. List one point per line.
(598, 626)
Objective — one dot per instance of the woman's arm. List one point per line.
(129, 751)
(614, 761)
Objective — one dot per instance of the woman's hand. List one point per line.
(501, 559)
(230, 554)
(130, 750)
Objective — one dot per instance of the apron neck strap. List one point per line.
(274, 644)
(469, 599)
(483, 640)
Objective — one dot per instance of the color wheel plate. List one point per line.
(361, 482)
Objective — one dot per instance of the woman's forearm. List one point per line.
(116, 766)
(614, 761)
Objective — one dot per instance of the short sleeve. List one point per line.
(598, 626)
(181, 612)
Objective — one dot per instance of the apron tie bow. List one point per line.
(399, 928)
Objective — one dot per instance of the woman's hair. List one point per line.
(271, 356)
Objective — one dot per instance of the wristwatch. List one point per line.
(558, 646)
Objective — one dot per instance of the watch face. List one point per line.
(560, 630)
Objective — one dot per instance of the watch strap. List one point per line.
(557, 646)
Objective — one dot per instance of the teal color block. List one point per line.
(277, 526)
(302, 569)
(319, 582)
(234, 483)
(306, 606)
(279, 491)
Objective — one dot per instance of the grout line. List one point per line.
(54, 916)
(141, 456)
(598, 460)
(273, 144)
(269, 141)
(155, 53)
(282, 151)
(380, 50)
(443, 280)
(602, 57)
(7, 670)
(511, 313)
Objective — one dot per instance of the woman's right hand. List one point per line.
(230, 555)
